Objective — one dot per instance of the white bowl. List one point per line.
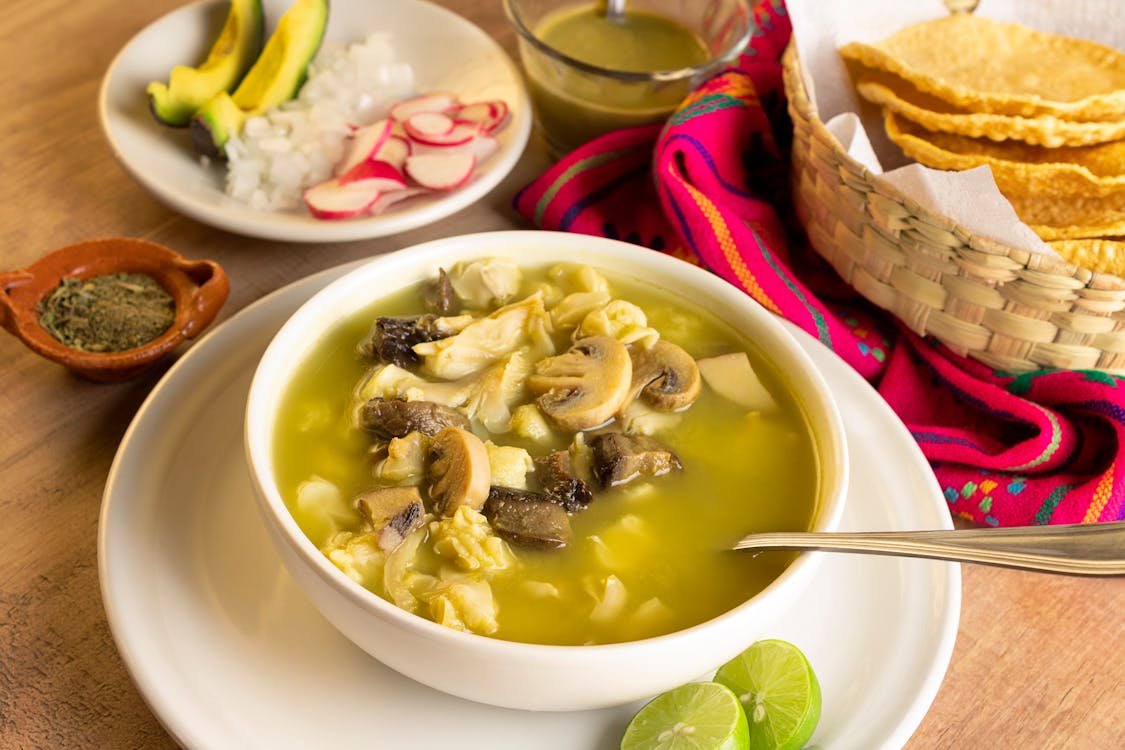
(505, 673)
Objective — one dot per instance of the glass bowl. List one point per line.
(575, 101)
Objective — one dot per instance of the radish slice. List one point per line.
(363, 143)
(332, 200)
(386, 200)
(428, 125)
(462, 133)
(440, 171)
(484, 147)
(394, 152)
(374, 174)
(491, 116)
(434, 102)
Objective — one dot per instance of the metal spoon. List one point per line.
(1078, 549)
(614, 10)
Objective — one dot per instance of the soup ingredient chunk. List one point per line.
(619, 458)
(392, 512)
(527, 519)
(487, 340)
(586, 385)
(695, 716)
(779, 692)
(440, 297)
(732, 377)
(561, 482)
(393, 339)
(396, 417)
(459, 471)
(666, 376)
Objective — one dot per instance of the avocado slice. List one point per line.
(231, 55)
(276, 77)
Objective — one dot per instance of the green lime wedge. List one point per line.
(695, 716)
(779, 692)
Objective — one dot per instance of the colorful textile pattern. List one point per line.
(711, 188)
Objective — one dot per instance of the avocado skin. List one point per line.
(276, 76)
(231, 55)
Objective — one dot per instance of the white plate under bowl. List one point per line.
(447, 53)
(228, 652)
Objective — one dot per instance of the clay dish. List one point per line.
(199, 289)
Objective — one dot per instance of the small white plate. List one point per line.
(447, 52)
(229, 653)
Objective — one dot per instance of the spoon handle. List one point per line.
(1076, 549)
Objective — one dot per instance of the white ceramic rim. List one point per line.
(414, 264)
(118, 115)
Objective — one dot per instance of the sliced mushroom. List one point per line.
(584, 386)
(620, 458)
(561, 482)
(392, 339)
(529, 519)
(396, 417)
(459, 471)
(440, 297)
(393, 512)
(665, 376)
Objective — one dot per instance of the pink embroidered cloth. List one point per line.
(711, 187)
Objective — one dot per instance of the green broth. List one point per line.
(665, 539)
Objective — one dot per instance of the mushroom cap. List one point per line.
(459, 471)
(529, 519)
(665, 376)
(585, 386)
(392, 512)
(397, 417)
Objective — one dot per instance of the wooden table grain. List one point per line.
(1038, 662)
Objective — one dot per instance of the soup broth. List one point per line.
(645, 558)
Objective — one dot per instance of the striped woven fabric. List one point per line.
(711, 188)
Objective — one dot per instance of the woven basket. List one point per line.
(1009, 308)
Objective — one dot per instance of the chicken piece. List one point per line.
(488, 340)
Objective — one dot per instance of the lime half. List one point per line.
(695, 716)
(779, 692)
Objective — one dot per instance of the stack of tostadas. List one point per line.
(1045, 112)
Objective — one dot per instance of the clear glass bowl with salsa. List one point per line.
(589, 74)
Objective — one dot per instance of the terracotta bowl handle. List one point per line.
(8, 310)
(208, 298)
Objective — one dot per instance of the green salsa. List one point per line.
(646, 558)
(641, 42)
(574, 105)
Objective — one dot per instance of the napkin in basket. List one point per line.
(711, 187)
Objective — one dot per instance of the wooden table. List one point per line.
(1038, 662)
